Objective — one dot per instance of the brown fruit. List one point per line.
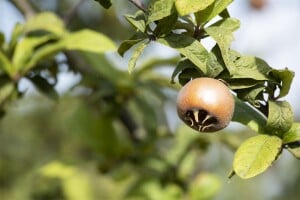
(205, 104)
(258, 4)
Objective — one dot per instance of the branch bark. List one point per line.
(71, 13)
(139, 5)
(24, 7)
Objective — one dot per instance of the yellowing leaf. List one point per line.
(255, 155)
(88, 40)
(185, 7)
(159, 9)
(46, 21)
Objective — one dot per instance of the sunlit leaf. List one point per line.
(5, 92)
(135, 55)
(56, 169)
(46, 21)
(204, 186)
(42, 52)
(88, 40)
(280, 117)
(291, 140)
(295, 152)
(72, 179)
(138, 21)
(159, 9)
(255, 155)
(211, 11)
(251, 67)
(293, 134)
(152, 190)
(185, 7)
(25, 49)
(6, 66)
(214, 68)
(231, 24)
(15, 36)
(223, 37)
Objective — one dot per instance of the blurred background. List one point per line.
(113, 135)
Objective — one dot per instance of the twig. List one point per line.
(139, 5)
(24, 7)
(70, 14)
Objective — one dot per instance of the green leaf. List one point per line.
(223, 37)
(159, 9)
(14, 38)
(136, 54)
(204, 186)
(295, 152)
(285, 78)
(252, 95)
(188, 73)
(216, 8)
(291, 140)
(280, 117)
(185, 7)
(152, 190)
(138, 21)
(126, 45)
(214, 68)
(43, 52)
(2, 39)
(88, 40)
(189, 47)
(251, 67)
(166, 25)
(293, 134)
(46, 21)
(102, 66)
(240, 84)
(84, 40)
(105, 3)
(249, 116)
(25, 49)
(182, 65)
(72, 178)
(133, 40)
(6, 91)
(255, 155)
(6, 65)
(231, 24)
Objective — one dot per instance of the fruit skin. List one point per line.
(205, 104)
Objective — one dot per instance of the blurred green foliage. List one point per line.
(109, 137)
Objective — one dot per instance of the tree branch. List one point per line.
(139, 5)
(24, 7)
(71, 13)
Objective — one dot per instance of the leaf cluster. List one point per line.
(31, 53)
(258, 88)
